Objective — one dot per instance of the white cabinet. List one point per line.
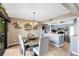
(74, 39)
(74, 45)
(57, 40)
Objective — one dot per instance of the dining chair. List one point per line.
(42, 49)
(23, 47)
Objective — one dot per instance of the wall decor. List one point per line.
(35, 27)
(27, 26)
(16, 25)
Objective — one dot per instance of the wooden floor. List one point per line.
(52, 50)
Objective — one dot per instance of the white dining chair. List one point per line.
(42, 49)
(23, 47)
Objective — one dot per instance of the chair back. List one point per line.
(21, 42)
(43, 46)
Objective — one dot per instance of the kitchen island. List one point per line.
(56, 39)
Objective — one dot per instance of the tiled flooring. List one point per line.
(52, 50)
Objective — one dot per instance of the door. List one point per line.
(2, 35)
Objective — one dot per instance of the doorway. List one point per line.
(3, 35)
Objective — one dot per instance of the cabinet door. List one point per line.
(61, 39)
(73, 44)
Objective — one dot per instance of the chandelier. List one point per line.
(34, 24)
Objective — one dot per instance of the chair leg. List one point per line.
(34, 54)
(24, 53)
(21, 51)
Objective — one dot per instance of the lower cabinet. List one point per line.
(74, 45)
(57, 40)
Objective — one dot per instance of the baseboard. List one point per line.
(75, 53)
(12, 44)
(57, 45)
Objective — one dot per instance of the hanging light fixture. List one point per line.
(34, 24)
(34, 18)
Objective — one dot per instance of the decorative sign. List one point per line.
(16, 25)
(35, 27)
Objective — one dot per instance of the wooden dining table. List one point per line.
(31, 41)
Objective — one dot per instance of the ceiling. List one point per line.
(73, 7)
(43, 10)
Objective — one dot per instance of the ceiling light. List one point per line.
(34, 23)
